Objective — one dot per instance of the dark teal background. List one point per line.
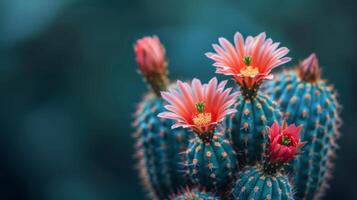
(69, 84)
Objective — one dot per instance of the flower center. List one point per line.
(201, 118)
(285, 141)
(248, 70)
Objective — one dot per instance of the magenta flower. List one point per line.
(199, 107)
(284, 142)
(249, 61)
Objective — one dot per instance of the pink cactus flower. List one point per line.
(150, 55)
(309, 68)
(199, 107)
(284, 142)
(249, 61)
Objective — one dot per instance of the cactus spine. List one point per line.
(307, 100)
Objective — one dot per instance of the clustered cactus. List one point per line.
(268, 138)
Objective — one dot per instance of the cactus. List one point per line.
(158, 149)
(247, 127)
(193, 194)
(250, 62)
(308, 100)
(210, 158)
(254, 183)
(237, 146)
(212, 163)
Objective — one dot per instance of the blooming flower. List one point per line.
(284, 142)
(249, 61)
(199, 107)
(150, 56)
(309, 68)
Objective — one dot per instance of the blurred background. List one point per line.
(69, 84)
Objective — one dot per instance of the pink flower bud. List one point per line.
(309, 69)
(150, 55)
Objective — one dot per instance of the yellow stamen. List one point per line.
(201, 119)
(249, 71)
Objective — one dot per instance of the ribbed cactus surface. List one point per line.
(248, 126)
(211, 164)
(158, 149)
(254, 184)
(313, 105)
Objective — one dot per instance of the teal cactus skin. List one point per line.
(248, 126)
(211, 164)
(158, 149)
(193, 194)
(313, 105)
(254, 184)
